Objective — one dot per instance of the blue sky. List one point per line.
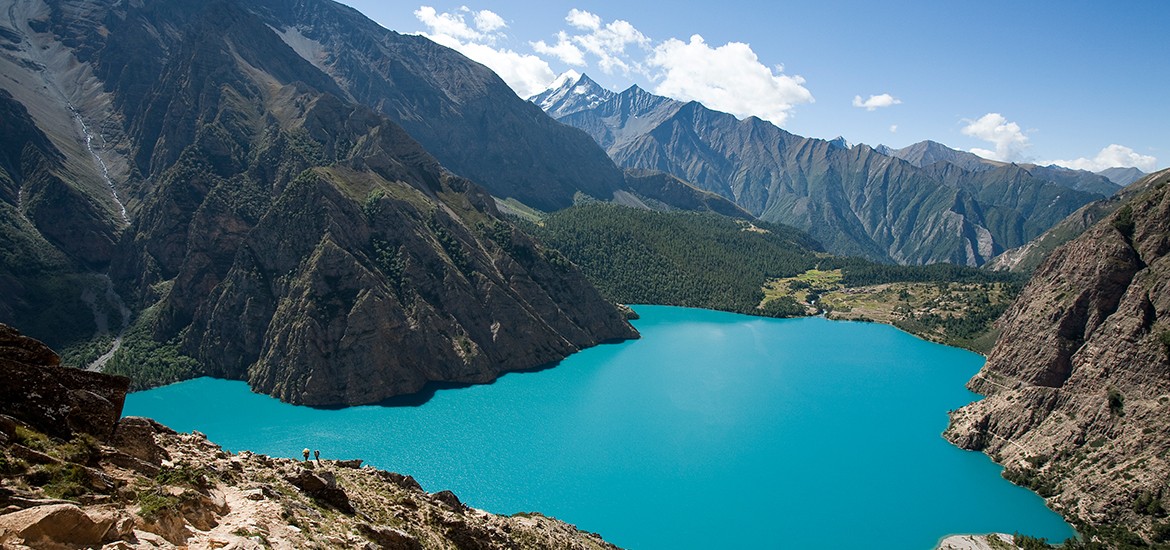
(1085, 83)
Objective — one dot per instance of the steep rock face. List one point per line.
(855, 200)
(286, 234)
(1078, 385)
(53, 399)
(457, 109)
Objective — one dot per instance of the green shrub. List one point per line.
(1149, 504)
(1116, 402)
(184, 475)
(1123, 221)
(61, 480)
(1161, 532)
(1024, 542)
(33, 439)
(82, 449)
(153, 503)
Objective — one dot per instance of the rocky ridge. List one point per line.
(1078, 385)
(133, 483)
(855, 200)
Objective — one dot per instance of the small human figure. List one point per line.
(306, 453)
(317, 455)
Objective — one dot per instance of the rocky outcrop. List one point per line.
(53, 399)
(1078, 385)
(60, 525)
(150, 487)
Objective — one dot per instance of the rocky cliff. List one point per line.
(1078, 384)
(278, 229)
(133, 483)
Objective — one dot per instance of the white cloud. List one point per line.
(876, 102)
(583, 20)
(527, 74)
(607, 42)
(1010, 142)
(1113, 156)
(727, 78)
(447, 24)
(564, 50)
(488, 21)
(893, 128)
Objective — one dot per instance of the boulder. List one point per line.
(59, 523)
(52, 399)
(135, 436)
(450, 499)
(388, 538)
(322, 487)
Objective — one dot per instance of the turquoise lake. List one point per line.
(714, 430)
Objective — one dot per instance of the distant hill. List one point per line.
(925, 153)
(854, 200)
(1122, 176)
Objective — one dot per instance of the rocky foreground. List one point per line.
(74, 475)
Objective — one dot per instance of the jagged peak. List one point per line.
(568, 78)
(569, 93)
(840, 142)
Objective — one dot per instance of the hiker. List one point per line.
(317, 455)
(306, 453)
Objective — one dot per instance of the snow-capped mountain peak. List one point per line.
(569, 93)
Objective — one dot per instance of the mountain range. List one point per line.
(248, 176)
(922, 204)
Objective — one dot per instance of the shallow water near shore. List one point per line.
(714, 430)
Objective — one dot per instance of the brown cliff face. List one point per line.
(56, 400)
(1078, 385)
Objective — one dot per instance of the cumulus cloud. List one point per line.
(876, 102)
(893, 128)
(1113, 156)
(527, 74)
(1010, 142)
(488, 21)
(564, 50)
(583, 20)
(455, 25)
(607, 42)
(727, 78)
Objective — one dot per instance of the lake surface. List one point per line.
(714, 430)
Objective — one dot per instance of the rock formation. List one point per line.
(1078, 384)
(56, 400)
(138, 484)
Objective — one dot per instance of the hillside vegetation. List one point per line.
(759, 268)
